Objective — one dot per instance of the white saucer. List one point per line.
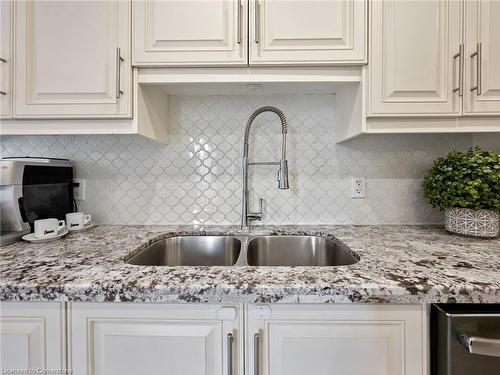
(31, 237)
(88, 226)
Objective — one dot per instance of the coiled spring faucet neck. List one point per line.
(284, 127)
(283, 164)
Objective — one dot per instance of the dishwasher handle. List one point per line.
(479, 345)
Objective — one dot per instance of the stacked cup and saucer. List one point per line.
(78, 221)
(47, 230)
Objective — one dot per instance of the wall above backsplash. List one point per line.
(196, 178)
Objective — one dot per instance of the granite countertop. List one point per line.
(399, 264)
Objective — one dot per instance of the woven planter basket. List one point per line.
(469, 222)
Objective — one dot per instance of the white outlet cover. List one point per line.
(358, 187)
(79, 192)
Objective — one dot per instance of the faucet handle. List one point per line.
(257, 215)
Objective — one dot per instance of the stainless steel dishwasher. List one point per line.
(465, 339)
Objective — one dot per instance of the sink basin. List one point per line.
(190, 251)
(297, 251)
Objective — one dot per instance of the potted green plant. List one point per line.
(466, 185)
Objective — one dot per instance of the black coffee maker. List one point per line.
(32, 189)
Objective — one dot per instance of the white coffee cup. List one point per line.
(77, 220)
(48, 227)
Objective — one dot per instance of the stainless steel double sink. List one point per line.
(245, 251)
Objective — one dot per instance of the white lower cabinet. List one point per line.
(214, 339)
(335, 340)
(32, 337)
(153, 339)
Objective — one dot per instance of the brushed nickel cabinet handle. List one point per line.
(478, 55)
(240, 6)
(230, 340)
(256, 354)
(460, 56)
(257, 21)
(119, 60)
(3, 93)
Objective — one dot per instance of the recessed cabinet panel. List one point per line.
(190, 32)
(178, 347)
(412, 66)
(327, 347)
(31, 336)
(5, 59)
(67, 59)
(23, 343)
(482, 67)
(307, 32)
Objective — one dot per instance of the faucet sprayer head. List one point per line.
(283, 175)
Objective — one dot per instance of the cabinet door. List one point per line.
(5, 59)
(335, 340)
(31, 336)
(482, 82)
(193, 32)
(412, 70)
(304, 32)
(140, 339)
(67, 59)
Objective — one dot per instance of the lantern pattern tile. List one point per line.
(195, 179)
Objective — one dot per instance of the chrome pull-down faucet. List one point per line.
(283, 164)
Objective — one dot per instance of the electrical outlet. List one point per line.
(79, 186)
(358, 187)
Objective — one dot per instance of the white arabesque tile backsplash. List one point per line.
(195, 179)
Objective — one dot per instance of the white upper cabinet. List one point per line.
(72, 59)
(279, 32)
(5, 59)
(414, 63)
(482, 57)
(304, 32)
(187, 32)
